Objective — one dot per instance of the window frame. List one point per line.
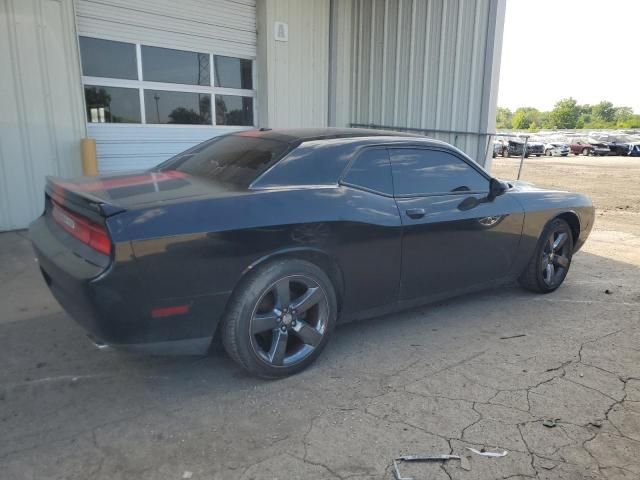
(455, 154)
(141, 85)
(354, 158)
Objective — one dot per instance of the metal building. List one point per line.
(149, 78)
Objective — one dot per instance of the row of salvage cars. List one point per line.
(556, 145)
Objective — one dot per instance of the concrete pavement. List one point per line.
(432, 380)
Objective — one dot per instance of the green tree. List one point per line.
(524, 117)
(503, 118)
(565, 114)
(604, 111)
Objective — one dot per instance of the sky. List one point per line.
(585, 49)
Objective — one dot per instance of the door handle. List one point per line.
(415, 213)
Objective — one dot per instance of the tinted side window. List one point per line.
(316, 162)
(425, 172)
(371, 170)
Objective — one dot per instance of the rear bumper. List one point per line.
(114, 305)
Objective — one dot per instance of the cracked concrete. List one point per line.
(432, 380)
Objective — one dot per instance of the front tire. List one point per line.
(551, 260)
(280, 318)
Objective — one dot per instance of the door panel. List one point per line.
(453, 237)
(448, 249)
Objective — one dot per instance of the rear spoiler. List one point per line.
(81, 200)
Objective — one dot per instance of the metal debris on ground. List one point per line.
(396, 472)
(514, 336)
(488, 454)
(550, 422)
(420, 458)
(427, 458)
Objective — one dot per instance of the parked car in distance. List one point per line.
(621, 148)
(270, 238)
(498, 145)
(513, 148)
(556, 148)
(634, 149)
(583, 147)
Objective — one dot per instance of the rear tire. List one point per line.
(280, 318)
(551, 259)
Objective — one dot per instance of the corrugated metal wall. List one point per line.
(293, 76)
(222, 27)
(42, 116)
(420, 64)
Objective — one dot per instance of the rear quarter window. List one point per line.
(316, 162)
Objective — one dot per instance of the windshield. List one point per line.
(236, 159)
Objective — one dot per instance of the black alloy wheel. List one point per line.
(280, 317)
(289, 321)
(555, 257)
(551, 260)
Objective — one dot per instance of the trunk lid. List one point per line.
(107, 195)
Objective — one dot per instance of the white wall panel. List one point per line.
(428, 64)
(41, 104)
(293, 76)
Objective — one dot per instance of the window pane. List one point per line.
(175, 66)
(236, 159)
(112, 104)
(233, 110)
(162, 106)
(104, 58)
(233, 72)
(418, 172)
(371, 170)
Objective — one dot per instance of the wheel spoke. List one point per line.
(307, 333)
(559, 242)
(262, 322)
(548, 248)
(307, 300)
(283, 293)
(551, 270)
(561, 261)
(278, 347)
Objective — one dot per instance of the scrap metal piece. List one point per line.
(396, 472)
(428, 458)
(488, 454)
(514, 336)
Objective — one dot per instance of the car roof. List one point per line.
(358, 135)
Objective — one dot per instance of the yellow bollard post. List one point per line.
(89, 157)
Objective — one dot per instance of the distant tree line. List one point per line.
(567, 114)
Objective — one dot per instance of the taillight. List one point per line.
(88, 232)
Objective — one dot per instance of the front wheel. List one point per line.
(551, 260)
(280, 318)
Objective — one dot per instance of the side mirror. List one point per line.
(496, 188)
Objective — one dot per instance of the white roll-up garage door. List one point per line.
(160, 76)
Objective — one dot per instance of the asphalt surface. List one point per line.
(554, 380)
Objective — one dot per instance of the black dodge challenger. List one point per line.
(269, 238)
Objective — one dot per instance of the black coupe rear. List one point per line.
(270, 238)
